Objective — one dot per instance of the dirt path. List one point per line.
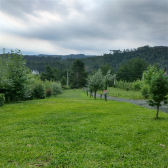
(143, 103)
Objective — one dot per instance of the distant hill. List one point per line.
(157, 54)
(65, 56)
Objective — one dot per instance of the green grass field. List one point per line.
(73, 130)
(122, 93)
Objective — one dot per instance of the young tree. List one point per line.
(96, 82)
(159, 90)
(149, 73)
(107, 78)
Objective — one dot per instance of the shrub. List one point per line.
(39, 91)
(48, 92)
(28, 95)
(56, 88)
(124, 85)
(47, 84)
(145, 91)
(2, 99)
(66, 87)
(137, 85)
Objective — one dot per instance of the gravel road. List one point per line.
(143, 103)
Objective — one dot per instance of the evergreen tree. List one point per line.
(78, 74)
(63, 81)
(105, 68)
(132, 70)
(159, 90)
(51, 74)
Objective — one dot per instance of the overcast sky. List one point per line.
(90, 27)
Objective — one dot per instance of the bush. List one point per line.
(66, 87)
(48, 92)
(145, 91)
(2, 99)
(39, 91)
(137, 85)
(124, 85)
(47, 84)
(56, 88)
(28, 95)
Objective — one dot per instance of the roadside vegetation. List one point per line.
(74, 130)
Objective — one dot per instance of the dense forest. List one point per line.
(125, 63)
(152, 55)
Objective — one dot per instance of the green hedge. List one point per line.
(2, 99)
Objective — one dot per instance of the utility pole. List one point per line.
(67, 78)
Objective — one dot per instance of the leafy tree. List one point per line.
(132, 70)
(78, 74)
(159, 90)
(96, 82)
(15, 76)
(149, 73)
(105, 68)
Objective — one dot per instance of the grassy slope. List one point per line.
(74, 130)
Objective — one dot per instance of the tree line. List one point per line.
(157, 54)
(18, 83)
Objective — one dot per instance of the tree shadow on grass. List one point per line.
(160, 119)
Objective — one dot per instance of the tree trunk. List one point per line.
(90, 94)
(157, 112)
(95, 94)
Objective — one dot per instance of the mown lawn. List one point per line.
(73, 130)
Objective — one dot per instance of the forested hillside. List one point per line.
(158, 54)
(152, 55)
